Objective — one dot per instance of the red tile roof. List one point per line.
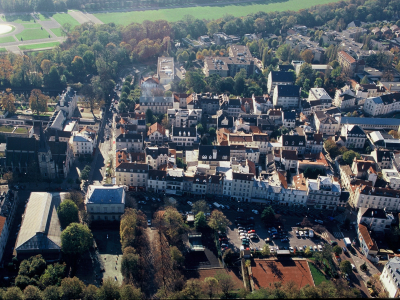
(347, 57)
(156, 127)
(367, 238)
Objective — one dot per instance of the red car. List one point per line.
(223, 239)
(251, 231)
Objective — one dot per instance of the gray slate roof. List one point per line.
(105, 195)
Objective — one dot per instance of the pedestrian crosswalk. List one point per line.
(336, 234)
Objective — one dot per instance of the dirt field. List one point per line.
(204, 273)
(270, 271)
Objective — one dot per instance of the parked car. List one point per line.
(297, 234)
(319, 221)
(284, 240)
(148, 222)
(255, 211)
(320, 248)
(190, 203)
(251, 231)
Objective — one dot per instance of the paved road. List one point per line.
(82, 17)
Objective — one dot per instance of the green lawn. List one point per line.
(316, 274)
(65, 18)
(6, 128)
(31, 25)
(20, 19)
(43, 17)
(57, 31)
(3, 50)
(39, 46)
(21, 130)
(7, 39)
(32, 34)
(206, 12)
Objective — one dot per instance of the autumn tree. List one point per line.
(218, 221)
(38, 101)
(307, 55)
(225, 283)
(210, 286)
(8, 101)
(200, 205)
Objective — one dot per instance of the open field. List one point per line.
(65, 18)
(39, 46)
(32, 34)
(316, 274)
(57, 31)
(31, 25)
(205, 12)
(43, 17)
(3, 50)
(7, 39)
(19, 18)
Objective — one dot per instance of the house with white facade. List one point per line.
(279, 78)
(156, 134)
(325, 123)
(375, 219)
(323, 192)
(344, 97)
(382, 105)
(390, 277)
(289, 119)
(368, 246)
(354, 136)
(157, 181)
(82, 144)
(130, 142)
(184, 136)
(156, 156)
(286, 96)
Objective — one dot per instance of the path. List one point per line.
(84, 17)
(13, 46)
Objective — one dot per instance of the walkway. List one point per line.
(82, 17)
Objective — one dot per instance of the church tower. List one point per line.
(46, 163)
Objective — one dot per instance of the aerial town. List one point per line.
(231, 158)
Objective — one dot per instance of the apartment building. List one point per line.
(323, 192)
(184, 117)
(130, 142)
(165, 70)
(133, 175)
(159, 105)
(293, 142)
(279, 78)
(156, 134)
(156, 181)
(375, 197)
(354, 136)
(344, 97)
(390, 277)
(325, 123)
(184, 136)
(286, 96)
(156, 156)
(82, 144)
(375, 219)
(382, 105)
(349, 64)
(106, 203)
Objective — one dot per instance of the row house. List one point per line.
(213, 155)
(353, 136)
(184, 136)
(238, 151)
(156, 156)
(156, 181)
(184, 117)
(287, 96)
(375, 197)
(365, 169)
(293, 142)
(314, 142)
(123, 156)
(289, 160)
(323, 192)
(325, 123)
(157, 134)
(375, 219)
(344, 97)
(253, 154)
(133, 175)
(131, 142)
(289, 119)
(383, 158)
(390, 277)
(159, 105)
(368, 246)
(182, 99)
(242, 185)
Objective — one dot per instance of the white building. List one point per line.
(354, 136)
(81, 143)
(165, 70)
(392, 177)
(390, 277)
(184, 136)
(130, 141)
(323, 192)
(375, 197)
(375, 219)
(382, 105)
(279, 78)
(157, 181)
(286, 96)
(133, 175)
(326, 124)
(156, 156)
(105, 202)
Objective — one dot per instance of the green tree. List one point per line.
(89, 293)
(225, 283)
(85, 173)
(337, 249)
(130, 266)
(76, 197)
(129, 292)
(33, 266)
(345, 266)
(266, 251)
(176, 256)
(52, 275)
(349, 156)
(218, 221)
(199, 206)
(68, 213)
(307, 252)
(364, 80)
(52, 293)
(149, 116)
(200, 221)
(268, 215)
(364, 267)
(71, 288)
(318, 82)
(32, 293)
(210, 286)
(13, 293)
(76, 239)
(179, 163)
(195, 81)
(109, 290)
(7, 101)
(38, 101)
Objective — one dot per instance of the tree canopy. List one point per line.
(76, 239)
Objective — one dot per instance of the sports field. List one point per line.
(206, 12)
(39, 46)
(65, 18)
(32, 34)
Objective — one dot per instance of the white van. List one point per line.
(216, 205)
(353, 267)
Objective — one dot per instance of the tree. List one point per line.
(327, 252)
(307, 55)
(307, 252)
(68, 213)
(176, 256)
(345, 266)
(349, 156)
(180, 163)
(394, 133)
(172, 224)
(130, 266)
(76, 239)
(109, 290)
(364, 80)
(7, 101)
(33, 266)
(76, 197)
(89, 293)
(129, 292)
(71, 288)
(313, 173)
(225, 282)
(210, 286)
(52, 275)
(337, 249)
(218, 221)
(199, 206)
(32, 293)
(85, 173)
(200, 221)
(52, 293)
(38, 101)
(13, 293)
(364, 267)
(268, 215)
(228, 256)
(266, 251)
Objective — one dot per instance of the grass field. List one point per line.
(3, 50)
(65, 18)
(206, 12)
(31, 25)
(57, 31)
(39, 46)
(19, 19)
(316, 274)
(32, 34)
(7, 39)
(43, 17)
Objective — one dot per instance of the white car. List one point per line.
(301, 233)
(255, 211)
(319, 247)
(190, 203)
(148, 222)
(242, 234)
(291, 249)
(243, 237)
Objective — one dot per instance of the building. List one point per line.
(148, 85)
(279, 78)
(82, 144)
(354, 136)
(184, 136)
(106, 203)
(40, 231)
(132, 175)
(156, 156)
(184, 117)
(325, 123)
(239, 58)
(368, 246)
(289, 119)
(382, 158)
(17, 131)
(293, 142)
(375, 219)
(8, 205)
(375, 197)
(159, 105)
(156, 181)
(349, 64)
(344, 97)
(382, 105)
(286, 96)
(323, 192)
(390, 277)
(157, 134)
(68, 102)
(165, 70)
(130, 142)
(373, 123)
